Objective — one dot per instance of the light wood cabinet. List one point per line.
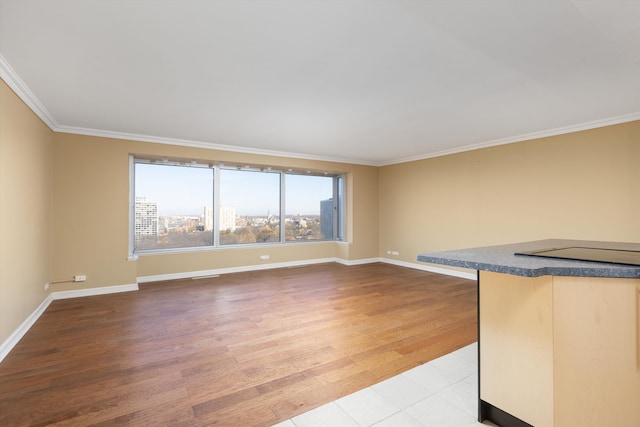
(561, 351)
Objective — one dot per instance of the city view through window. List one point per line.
(174, 207)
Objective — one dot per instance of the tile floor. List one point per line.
(441, 393)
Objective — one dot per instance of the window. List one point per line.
(171, 206)
(179, 205)
(310, 207)
(249, 207)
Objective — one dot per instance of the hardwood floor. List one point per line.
(244, 349)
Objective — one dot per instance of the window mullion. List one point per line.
(335, 209)
(132, 207)
(282, 207)
(216, 207)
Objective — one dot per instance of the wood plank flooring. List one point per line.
(244, 349)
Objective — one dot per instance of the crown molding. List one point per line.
(239, 149)
(14, 81)
(206, 145)
(8, 74)
(625, 118)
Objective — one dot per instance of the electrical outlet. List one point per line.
(80, 278)
(46, 286)
(395, 253)
(264, 256)
(388, 252)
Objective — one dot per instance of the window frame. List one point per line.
(339, 204)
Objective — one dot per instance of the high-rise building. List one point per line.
(326, 218)
(208, 218)
(227, 218)
(146, 217)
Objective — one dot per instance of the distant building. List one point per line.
(208, 218)
(326, 218)
(227, 218)
(146, 221)
(163, 224)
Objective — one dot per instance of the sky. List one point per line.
(183, 190)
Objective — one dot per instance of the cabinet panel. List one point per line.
(516, 345)
(596, 360)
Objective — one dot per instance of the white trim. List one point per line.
(256, 267)
(76, 293)
(21, 89)
(357, 261)
(28, 97)
(432, 269)
(625, 118)
(17, 335)
(242, 269)
(238, 149)
(8, 74)
(206, 145)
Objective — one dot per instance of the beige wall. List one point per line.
(91, 214)
(26, 147)
(583, 185)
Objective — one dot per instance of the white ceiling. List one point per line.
(372, 82)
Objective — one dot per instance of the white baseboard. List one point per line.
(17, 335)
(219, 271)
(76, 293)
(423, 267)
(357, 261)
(242, 269)
(432, 269)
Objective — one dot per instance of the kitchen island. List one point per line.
(558, 339)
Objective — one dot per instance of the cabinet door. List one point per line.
(596, 354)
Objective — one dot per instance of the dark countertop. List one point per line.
(501, 259)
